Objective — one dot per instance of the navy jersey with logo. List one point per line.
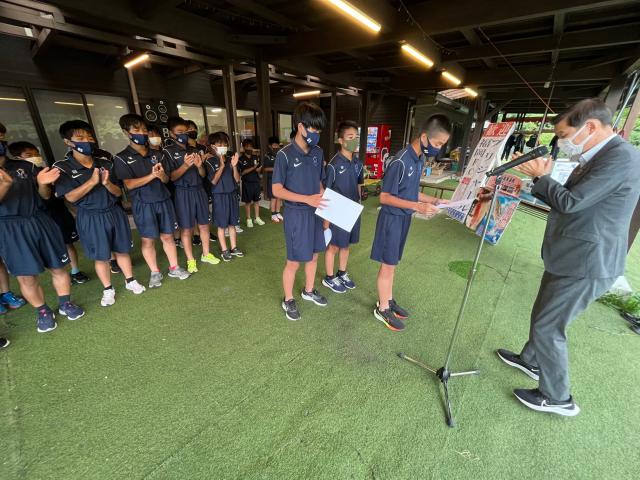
(173, 158)
(23, 198)
(226, 183)
(247, 162)
(129, 164)
(402, 179)
(73, 175)
(299, 172)
(345, 176)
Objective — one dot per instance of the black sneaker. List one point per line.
(179, 243)
(79, 278)
(389, 319)
(536, 400)
(398, 310)
(4, 343)
(45, 320)
(226, 256)
(291, 310)
(514, 360)
(236, 252)
(115, 268)
(315, 297)
(635, 328)
(196, 240)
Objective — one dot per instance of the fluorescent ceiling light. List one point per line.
(452, 78)
(417, 55)
(356, 14)
(216, 110)
(310, 93)
(73, 104)
(9, 99)
(132, 63)
(471, 91)
(119, 106)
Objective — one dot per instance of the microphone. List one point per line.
(540, 151)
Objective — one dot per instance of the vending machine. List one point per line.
(378, 147)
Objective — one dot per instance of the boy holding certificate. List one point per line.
(400, 198)
(345, 175)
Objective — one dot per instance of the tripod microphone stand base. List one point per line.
(443, 375)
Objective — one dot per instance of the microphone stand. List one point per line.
(443, 373)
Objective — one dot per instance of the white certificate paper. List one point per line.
(340, 210)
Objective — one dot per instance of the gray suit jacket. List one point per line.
(588, 226)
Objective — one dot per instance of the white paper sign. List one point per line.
(484, 157)
(456, 205)
(340, 210)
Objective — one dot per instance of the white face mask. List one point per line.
(222, 150)
(37, 161)
(155, 141)
(571, 149)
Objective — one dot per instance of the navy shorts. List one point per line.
(303, 233)
(192, 207)
(104, 231)
(250, 192)
(226, 209)
(390, 237)
(342, 239)
(269, 192)
(31, 245)
(152, 219)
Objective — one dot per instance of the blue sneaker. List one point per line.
(12, 301)
(71, 311)
(346, 280)
(3, 309)
(46, 320)
(333, 284)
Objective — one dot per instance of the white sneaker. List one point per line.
(226, 232)
(135, 287)
(179, 273)
(238, 229)
(275, 219)
(259, 221)
(280, 216)
(108, 297)
(249, 223)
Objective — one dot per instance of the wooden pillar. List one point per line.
(365, 101)
(265, 121)
(228, 79)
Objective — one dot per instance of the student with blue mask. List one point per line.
(268, 162)
(400, 199)
(249, 167)
(223, 174)
(345, 175)
(297, 179)
(31, 242)
(141, 170)
(87, 181)
(186, 170)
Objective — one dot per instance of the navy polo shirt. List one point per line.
(402, 179)
(129, 164)
(269, 160)
(226, 183)
(173, 158)
(245, 162)
(299, 172)
(345, 176)
(73, 175)
(23, 198)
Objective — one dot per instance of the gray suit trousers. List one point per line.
(560, 300)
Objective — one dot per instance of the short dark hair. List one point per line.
(174, 122)
(3, 129)
(154, 128)
(292, 134)
(191, 123)
(67, 128)
(436, 124)
(346, 125)
(17, 148)
(273, 140)
(310, 115)
(247, 141)
(131, 120)
(589, 108)
(219, 137)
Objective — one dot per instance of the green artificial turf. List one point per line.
(205, 379)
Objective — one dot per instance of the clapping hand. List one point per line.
(234, 159)
(189, 159)
(104, 176)
(47, 176)
(157, 170)
(5, 178)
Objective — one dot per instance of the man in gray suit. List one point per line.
(584, 247)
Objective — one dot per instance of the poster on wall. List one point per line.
(484, 157)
